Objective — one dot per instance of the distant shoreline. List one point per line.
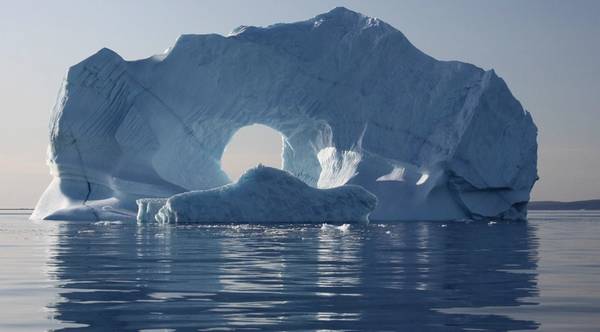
(593, 204)
(15, 211)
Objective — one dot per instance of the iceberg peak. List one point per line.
(338, 19)
(341, 15)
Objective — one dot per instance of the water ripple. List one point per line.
(402, 276)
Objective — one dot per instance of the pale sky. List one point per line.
(547, 51)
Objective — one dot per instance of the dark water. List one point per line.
(412, 276)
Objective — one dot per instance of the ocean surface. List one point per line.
(408, 276)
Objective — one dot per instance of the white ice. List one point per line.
(263, 194)
(354, 100)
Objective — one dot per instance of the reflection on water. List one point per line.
(413, 276)
(120, 276)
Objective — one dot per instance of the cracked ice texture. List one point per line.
(355, 101)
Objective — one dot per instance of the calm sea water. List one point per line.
(410, 276)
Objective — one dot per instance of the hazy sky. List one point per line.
(547, 51)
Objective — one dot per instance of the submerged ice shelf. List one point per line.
(262, 194)
(355, 101)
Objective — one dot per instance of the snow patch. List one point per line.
(397, 174)
(337, 168)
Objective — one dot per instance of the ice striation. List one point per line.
(355, 101)
(262, 194)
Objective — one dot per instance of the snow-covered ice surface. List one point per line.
(355, 101)
(263, 194)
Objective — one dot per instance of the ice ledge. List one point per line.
(262, 194)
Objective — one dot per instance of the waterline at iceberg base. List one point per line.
(355, 101)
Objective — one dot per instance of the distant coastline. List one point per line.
(15, 211)
(593, 204)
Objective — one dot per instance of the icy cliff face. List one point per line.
(356, 103)
(263, 194)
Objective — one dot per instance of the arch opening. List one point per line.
(252, 145)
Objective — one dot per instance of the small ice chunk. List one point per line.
(342, 228)
(107, 223)
(148, 207)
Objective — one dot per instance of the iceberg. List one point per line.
(355, 102)
(263, 194)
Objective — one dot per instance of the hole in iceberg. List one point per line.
(250, 146)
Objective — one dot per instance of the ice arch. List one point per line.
(356, 102)
(250, 146)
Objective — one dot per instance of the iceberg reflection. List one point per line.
(384, 276)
